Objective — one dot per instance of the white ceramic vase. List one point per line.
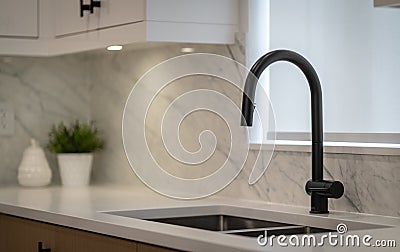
(75, 168)
(34, 169)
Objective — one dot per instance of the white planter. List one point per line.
(75, 168)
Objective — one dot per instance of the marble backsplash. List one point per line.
(114, 76)
(95, 86)
(371, 181)
(42, 92)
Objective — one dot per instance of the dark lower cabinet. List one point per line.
(23, 235)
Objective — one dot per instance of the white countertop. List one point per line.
(82, 209)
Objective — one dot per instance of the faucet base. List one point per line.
(318, 212)
(319, 204)
(320, 191)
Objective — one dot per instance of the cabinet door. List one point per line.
(73, 240)
(68, 19)
(19, 18)
(22, 235)
(117, 12)
(111, 13)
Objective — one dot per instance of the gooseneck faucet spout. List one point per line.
(319, 189)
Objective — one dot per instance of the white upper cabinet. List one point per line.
(193, 11)
(205, 21)
(110, 13)
(64, 30)
(18, 18)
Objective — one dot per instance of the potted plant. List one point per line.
(74, 146)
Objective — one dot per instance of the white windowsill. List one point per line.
(335, 147)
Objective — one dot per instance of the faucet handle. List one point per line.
(326, 188)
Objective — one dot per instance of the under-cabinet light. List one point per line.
(114, 48)
(187, 49)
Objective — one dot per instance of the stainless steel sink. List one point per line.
(234, 220)
(219, 222)
(240, 226)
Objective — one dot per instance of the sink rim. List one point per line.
(324, 221)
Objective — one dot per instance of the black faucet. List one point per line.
(319, 189)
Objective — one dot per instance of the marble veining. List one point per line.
(371, 182)
(42, 91)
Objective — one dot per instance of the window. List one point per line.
(355, 49)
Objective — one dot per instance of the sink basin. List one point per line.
(240, 226)
(219, 222)
(234, 220)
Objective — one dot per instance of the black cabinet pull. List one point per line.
(84, 7)
(41, 249)
(94, 4)
(89, 7)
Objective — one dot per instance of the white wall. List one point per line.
(355, 49)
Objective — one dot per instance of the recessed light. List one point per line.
(114, 48)
(187, 49)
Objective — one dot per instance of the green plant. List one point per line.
(77, 138)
